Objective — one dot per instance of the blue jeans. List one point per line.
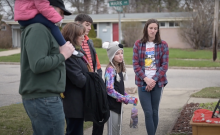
(46, 115)
(39, 18)
(150, 103)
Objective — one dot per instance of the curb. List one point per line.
(131, 66)
(9, 63)
(174, 67)
(196, 68)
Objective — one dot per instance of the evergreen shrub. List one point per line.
(97, 42)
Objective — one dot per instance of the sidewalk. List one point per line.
(10, 52)
(170, 106)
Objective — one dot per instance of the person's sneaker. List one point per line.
(78, 54)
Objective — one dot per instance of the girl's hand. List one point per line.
(150, 83)
(148, 88)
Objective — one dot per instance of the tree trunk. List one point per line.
(215, 30)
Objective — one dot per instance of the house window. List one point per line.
(171, 24)
(174, 24)
(3, 28)
(162, 24)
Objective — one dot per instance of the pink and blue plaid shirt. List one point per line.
(161, 59)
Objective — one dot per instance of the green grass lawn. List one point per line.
(11, 58)
(209, 92)
(191, 54)
(3, 50)
(103, 58)
(177, 57)
(193, 63)
(14, 121)
(209, 106)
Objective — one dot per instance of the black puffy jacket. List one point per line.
(96, 107)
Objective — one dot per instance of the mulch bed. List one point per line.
(182, 125)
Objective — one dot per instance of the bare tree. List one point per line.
(197, 31)
(89, 6)
(1, 10)
(0, 21)
(1, 7)
(172, 5)
(135, 6)
(131, 31)
(142, 6)
(7, 8)
(82, 6)
(99, 6)
(187, 5)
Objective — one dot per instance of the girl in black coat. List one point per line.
(75, 81)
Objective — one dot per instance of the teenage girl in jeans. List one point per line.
(150, 63)
(115, 74)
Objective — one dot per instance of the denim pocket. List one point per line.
(52, 99)
(144, 88)
(30, 106)
(53, 103)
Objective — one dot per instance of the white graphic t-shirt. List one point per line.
(150, 65)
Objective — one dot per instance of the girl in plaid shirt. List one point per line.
(150, 63)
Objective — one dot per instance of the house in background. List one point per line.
(106, 26)
(5, 36)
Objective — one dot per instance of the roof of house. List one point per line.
(165, 16)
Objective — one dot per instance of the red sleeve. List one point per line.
(98, 63)
(43, 6)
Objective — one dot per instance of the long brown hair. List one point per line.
(120, 67)
(145, 37)
(71, 31)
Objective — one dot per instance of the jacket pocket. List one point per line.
(61, 77)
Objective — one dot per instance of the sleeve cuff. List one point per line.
(62, 58)
(143, 76)
(155, 78)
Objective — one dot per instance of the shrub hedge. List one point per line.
(97, 42)
(92, 33)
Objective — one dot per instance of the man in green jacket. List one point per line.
(43, 76)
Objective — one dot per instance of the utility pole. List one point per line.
(119, 27)
(215, 31)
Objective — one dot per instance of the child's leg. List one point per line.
(114, 123)
(39, 18)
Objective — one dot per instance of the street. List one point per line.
(178, 79)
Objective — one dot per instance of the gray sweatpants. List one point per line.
(114, 124)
